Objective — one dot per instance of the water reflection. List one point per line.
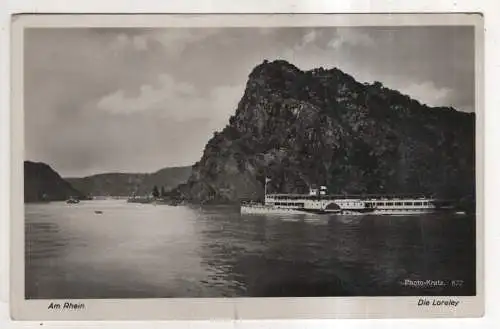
(140, 251)
(338, 256)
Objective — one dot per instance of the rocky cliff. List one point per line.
(42, 183)
(323, 127)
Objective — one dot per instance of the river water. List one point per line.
(146, 251)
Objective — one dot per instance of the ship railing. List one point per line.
(250, 203)
(350, 196)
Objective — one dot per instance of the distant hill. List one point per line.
(42, 183)
(126, 184)
(301, 128)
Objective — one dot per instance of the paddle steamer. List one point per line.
(318, 201)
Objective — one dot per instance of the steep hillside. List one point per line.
(323, 127)
(42, 183)
(126, 184)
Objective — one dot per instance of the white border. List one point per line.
(245, 308)
(490, 7)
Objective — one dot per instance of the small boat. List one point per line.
(98, 212)
(72, 200)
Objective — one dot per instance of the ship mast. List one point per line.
(265, 187)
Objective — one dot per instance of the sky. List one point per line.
(138, 100)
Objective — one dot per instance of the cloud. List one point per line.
(266, 30)
(307, 40)
(88, 92)
(175, 100)
(309, 37)
(428, 93)
(224, 101)
(173, 41)
(350, 37)
(140, 42)
(179, 99)
(124, 41)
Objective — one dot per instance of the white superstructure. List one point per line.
(319, 202)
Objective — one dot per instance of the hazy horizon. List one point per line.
(108, 172)
(139, 100)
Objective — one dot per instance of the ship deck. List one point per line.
(351, 196)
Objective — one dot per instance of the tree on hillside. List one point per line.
(156, 193)
(163, 192)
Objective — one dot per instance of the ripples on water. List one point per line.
(141, 251)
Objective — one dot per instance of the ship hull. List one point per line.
(351, 206)
(271, 210)
(390, 212)
(267, 210)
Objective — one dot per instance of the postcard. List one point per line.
(247, 166)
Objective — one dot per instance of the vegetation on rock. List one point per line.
(323, 127)
(42, 184)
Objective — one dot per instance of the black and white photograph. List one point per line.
(250, 162)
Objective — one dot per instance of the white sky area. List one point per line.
(138, 100)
